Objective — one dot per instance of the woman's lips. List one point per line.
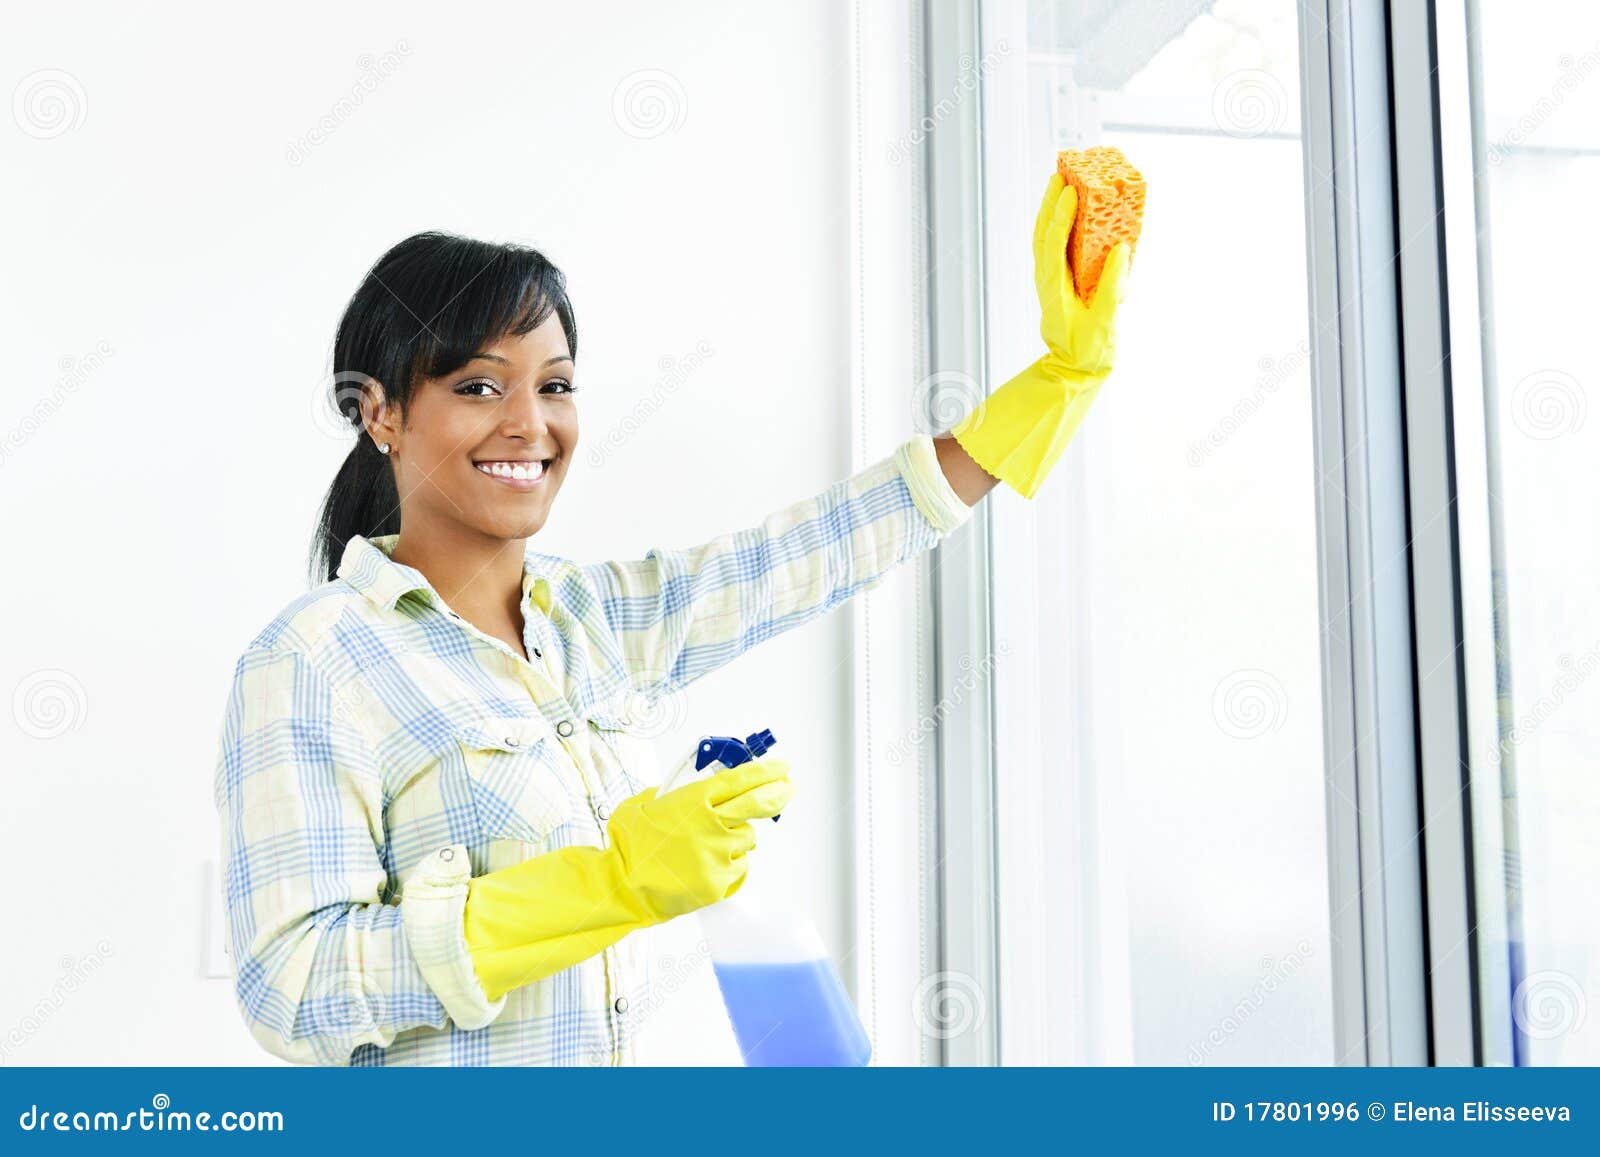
(506, 473)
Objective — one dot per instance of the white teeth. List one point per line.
(526, 471)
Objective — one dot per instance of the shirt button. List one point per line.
(538, 654)
(603, 811)
(512, 741)
(564, 728)
(621, 1004)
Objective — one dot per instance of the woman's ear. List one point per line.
(377, 416)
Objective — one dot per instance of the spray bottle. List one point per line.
(784, 997)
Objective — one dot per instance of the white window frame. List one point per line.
(1402, 531)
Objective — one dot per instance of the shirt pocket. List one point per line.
(516, 784)
(631, 744)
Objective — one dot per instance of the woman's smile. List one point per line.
(517, 473)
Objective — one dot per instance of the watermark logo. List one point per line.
(948, 1004)
(336, 404)
(1249, 704)
(1249, 103)
(49, 103)
(1549, 1004)
(649, 103)
(48, 704)
(1548, 403)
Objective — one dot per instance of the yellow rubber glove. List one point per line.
(667, 856)
(1018, 432)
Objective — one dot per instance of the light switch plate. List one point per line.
(215, 963)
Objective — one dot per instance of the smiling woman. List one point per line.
(438, 847)
(455, 359)
(452, 353)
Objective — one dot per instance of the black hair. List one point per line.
(427, 305)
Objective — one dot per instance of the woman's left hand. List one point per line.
(1082, 338)
(1018, 433)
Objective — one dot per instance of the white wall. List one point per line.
(172, 281)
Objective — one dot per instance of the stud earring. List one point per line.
(383, 448)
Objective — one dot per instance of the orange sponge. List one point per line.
(1110, 209)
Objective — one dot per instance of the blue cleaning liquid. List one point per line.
(792, 1014)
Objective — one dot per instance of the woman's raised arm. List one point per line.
(679, 614)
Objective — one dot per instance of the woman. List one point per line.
(435, 833)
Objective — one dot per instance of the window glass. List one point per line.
(1198, 923)
(1536, 74)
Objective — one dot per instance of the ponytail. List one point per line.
(362, 500)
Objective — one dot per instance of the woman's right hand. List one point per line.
(687, 849)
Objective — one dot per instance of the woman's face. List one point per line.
(509, 411)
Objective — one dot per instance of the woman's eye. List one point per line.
(469, 389)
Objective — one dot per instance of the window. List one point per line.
(1290, 733)
(1163, 849)
(1535, 105)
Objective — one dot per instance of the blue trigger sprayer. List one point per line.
(721, 749)
(783, 994)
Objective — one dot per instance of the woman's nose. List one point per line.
(524, 414)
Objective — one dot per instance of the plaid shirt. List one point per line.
(378, 750)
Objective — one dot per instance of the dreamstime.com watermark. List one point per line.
(1572, 72)
(1575, 672)
(971, 674)
(74, 372)
(674, 372)
(675, 972)
(1274, 971)
(1275, 371)
(374, 70)
(968, 74)
(160, 1117)
(75, 973)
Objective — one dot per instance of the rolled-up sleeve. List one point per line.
(679, 614)
(322, 964)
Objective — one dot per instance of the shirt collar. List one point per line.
(367, 567)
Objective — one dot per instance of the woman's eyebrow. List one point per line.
(507, 362)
